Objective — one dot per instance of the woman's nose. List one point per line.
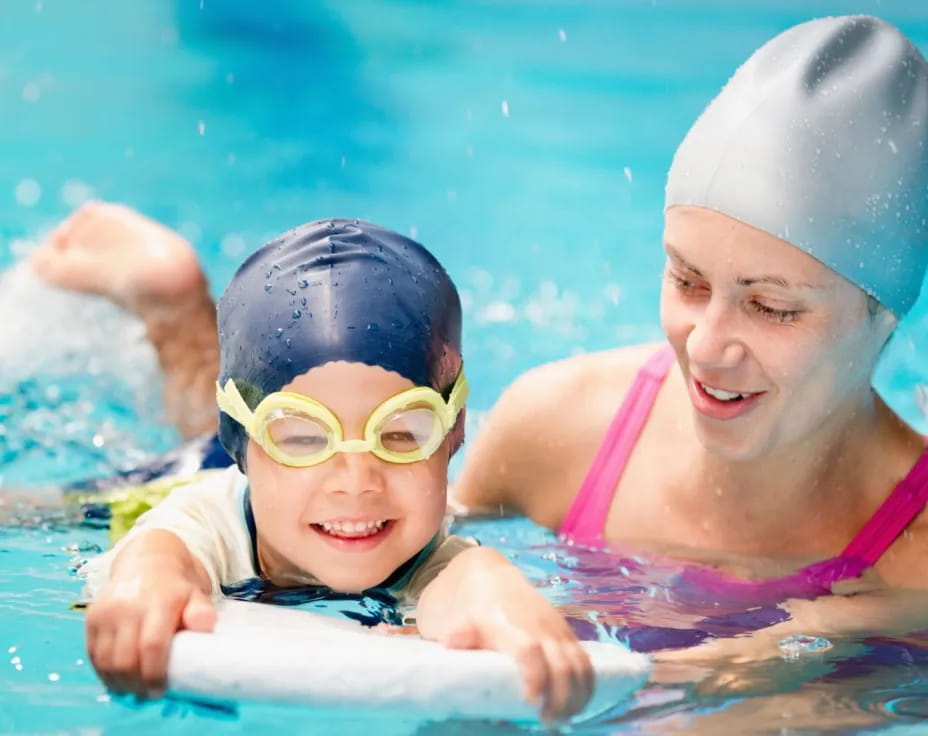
(715, 340)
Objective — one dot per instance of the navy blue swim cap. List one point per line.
(336, 290)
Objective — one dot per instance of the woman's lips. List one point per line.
(718, 408)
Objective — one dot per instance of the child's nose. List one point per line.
(359, 472)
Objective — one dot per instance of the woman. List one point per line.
(796, 237)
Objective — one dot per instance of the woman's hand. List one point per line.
(480, 601)
(155, 589)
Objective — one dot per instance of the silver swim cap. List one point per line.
(821, 139)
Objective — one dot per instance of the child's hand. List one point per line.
(480, 601)
(150, 596)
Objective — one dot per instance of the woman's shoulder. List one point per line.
(534, 445)
(603, 374)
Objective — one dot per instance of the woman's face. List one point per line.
(775, 347)
(352, 520)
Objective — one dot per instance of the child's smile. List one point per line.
(354, 535)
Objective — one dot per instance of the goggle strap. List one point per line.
(459, 393)
(232, 403)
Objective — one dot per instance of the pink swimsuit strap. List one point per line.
(587, 515)
(586, 518)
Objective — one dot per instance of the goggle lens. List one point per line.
(410, 430)
(297, 435)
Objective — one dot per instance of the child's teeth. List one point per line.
(352, 527)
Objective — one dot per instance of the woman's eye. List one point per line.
(776, 315)
(683, 284)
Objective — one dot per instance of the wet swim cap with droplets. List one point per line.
(336, 290)
(821, 139)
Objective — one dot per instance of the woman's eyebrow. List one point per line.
(742, 281)
(675, 255)
(776, 281)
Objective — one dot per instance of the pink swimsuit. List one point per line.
(586, 518)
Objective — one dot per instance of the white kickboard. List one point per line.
(268, 653)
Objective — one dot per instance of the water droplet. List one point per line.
(799, 645)
(268, 287)
(303, 283)
(28, 192)
(297, 314)
(373, 327)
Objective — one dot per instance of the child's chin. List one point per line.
(351, 584)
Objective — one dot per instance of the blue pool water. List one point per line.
(524, 142)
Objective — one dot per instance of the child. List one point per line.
(341, 396)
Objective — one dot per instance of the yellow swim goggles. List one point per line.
(298, 431)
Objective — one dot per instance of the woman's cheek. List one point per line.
(674, 321)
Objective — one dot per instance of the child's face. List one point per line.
(353, 519)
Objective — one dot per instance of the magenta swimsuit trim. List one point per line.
(586, 518)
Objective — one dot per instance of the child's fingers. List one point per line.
(155, 647)
(124, 658)
(571, 679)
(199, 613)
(100, 649)
(533, 664)
(560, 681)
(584, 677)
(467, 636)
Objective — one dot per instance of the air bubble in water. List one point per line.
(800, 645)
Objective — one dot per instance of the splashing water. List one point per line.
(77, 381)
